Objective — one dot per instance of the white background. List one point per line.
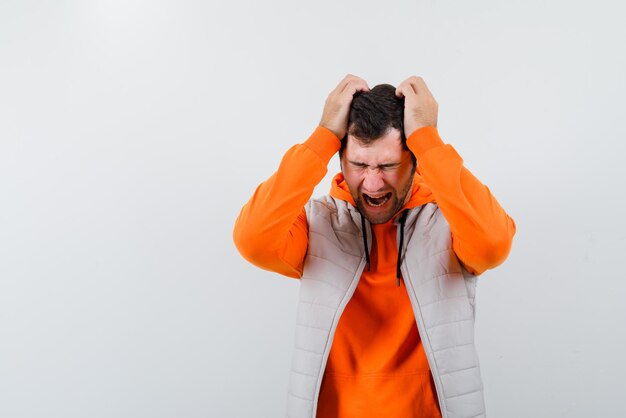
(132, 132)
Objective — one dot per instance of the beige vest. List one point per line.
(440, 289)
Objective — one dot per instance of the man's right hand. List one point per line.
(337, 106)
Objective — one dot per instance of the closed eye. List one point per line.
(388, 166)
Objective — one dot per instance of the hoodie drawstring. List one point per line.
(402, 221)
(367, 251)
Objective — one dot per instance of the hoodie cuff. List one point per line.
(324, 143)
(423, 139)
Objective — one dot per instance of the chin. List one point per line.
(377, 221)
(375, 218)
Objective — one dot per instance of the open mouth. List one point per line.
(378, 200)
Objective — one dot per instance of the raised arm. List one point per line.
(271, 231)
(482, 232)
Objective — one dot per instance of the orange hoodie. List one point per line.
(377, 365)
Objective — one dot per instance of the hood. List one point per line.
(420, 193)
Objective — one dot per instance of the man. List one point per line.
(387, 261)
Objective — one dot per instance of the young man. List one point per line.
(387, 261)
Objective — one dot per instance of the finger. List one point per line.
(405, 90)
(420, 86)
(401, 88)
(342, 84)
(355, 81)
(352, 88)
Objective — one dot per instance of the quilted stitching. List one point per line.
(442, 289)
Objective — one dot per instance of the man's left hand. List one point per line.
(420, 107)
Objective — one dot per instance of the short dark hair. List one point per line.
(372, 113)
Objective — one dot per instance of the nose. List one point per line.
(373, 181)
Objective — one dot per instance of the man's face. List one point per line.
(379, 175)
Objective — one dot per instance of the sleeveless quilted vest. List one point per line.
(440, 289)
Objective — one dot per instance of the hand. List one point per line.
(420, 107)
(337, 106)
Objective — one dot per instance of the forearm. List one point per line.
(482, 232)
(271, 230)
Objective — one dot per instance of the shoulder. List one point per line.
(327, 211)
(426, 224)
(426, 214)
(323, 206)
(334, 223)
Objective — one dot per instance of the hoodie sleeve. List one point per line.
(271, 230)
(482, 232)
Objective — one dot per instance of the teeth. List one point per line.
(380, 204)
(370, 199)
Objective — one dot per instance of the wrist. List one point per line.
(324, 142)
(423, 139)
(336, 132)
(411, 129)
